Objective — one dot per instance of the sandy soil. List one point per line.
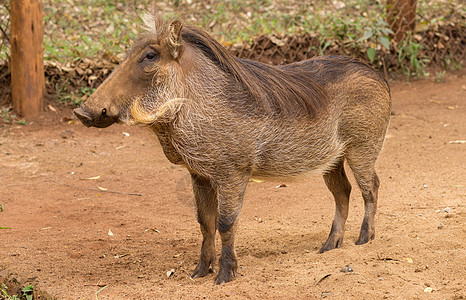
(73, 240)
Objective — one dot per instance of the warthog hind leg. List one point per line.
(368, 181)
(369, 193)
(338, 184)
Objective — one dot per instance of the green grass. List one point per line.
(8, 118)
(409, 50)
(26, 293)
(90, 28)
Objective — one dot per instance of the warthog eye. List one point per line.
(104, 111)
(151, 56)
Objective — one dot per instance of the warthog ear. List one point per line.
(174, 38)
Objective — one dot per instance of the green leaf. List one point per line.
(387, 31)
(328, 43)
(371, 54)
(366, 35)
(385, 42)
(28, 289)
(5, 227)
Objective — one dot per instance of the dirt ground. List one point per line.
(72, 239)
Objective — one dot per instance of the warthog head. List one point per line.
(147, 77)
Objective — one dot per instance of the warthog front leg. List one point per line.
(207, 212)
(230, 197)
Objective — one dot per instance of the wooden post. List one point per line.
(27, 64)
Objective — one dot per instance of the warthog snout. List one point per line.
(101, 119)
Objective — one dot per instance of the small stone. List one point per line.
(281, 186)
(447, 209)
(325, 294)
(409, 260)
(440, 226)
(346, 269)
(170, 273)
(428, 289)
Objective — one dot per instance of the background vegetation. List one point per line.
(84, 39)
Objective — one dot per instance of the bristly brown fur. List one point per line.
(274, 89)
(332, 68)
(227, 119)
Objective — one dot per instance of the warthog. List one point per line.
(227, 119)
